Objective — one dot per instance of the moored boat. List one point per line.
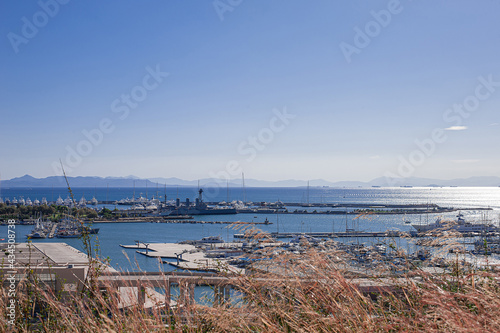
(460, 225)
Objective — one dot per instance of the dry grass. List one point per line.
(301, 293)
(312, 295)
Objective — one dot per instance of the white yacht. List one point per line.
(137, 207)
(151, 206)
(211, 240)
(68, 201)
(459, 225)
(82, 202)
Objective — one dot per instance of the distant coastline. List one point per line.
(131, 181)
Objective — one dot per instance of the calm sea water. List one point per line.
(447, 196)
(113, 234)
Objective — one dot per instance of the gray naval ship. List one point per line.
(199, 207)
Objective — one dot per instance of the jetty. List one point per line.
(53, 230)
(388, 233)
(355, 234)
(186, 256)
(183, 221)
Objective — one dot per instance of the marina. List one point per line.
(186, 256)
(350, 234)
(176, 209)
(176, 261)
(250, 166)
(184, 221)
(67, 228)
(347, 225)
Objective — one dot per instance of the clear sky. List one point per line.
(339, 90)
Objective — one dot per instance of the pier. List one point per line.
(351, 234)
(376, 234)
(420, 207)
(187, 256)
(53, 230)
(159, 220)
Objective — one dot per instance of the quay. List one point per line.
(359, 208)
(351, 234)
(389, 233)
(53, 230)
(332, 205)
(186, 256)
(159, 220)
(374, 211)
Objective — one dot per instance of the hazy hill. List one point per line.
(129, 181)
(59, 181)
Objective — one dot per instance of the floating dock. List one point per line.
(159, 220)
(340, 234)
(53, 230)
(187, 256)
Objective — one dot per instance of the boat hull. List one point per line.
(461, 228)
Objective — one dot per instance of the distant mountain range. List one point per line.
(130, 181)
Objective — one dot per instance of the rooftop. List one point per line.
(44, 254)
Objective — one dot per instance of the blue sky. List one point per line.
(232, 67)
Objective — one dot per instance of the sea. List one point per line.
(471, 200)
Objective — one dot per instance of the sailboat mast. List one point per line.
(308, 193)
(277, 224)
(244, 193)
(346, 228)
